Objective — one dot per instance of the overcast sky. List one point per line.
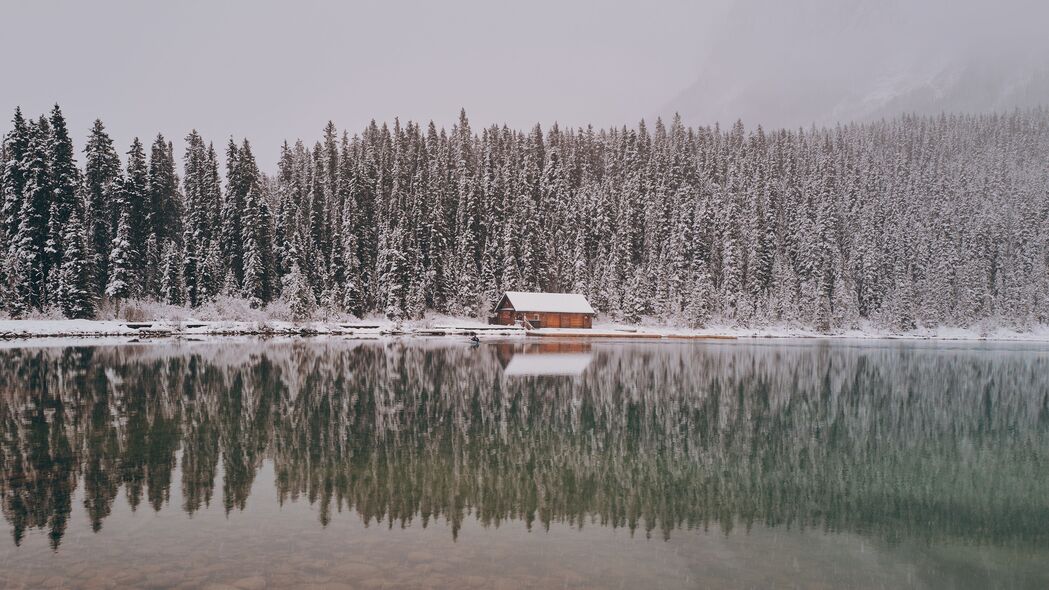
(276, 70)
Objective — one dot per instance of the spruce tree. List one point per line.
(352, 291)
(30, 240)
(190, 271)
(13, 175)
(197, 219)
(136, 202)
(164, 214)
(256, 245)
(65, 180)
(152, 271)
(122, 276)
(299, 294)
(76, 283)
(102, 184)
(171, 287)
(242, 177)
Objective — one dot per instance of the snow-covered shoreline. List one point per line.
(15, 331)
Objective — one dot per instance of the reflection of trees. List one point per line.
(897, 442)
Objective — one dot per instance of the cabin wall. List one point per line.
(556, 320)
(508, 316)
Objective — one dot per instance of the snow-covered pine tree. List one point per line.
(329, 180)
(30, 240)
(213, 266)
(197, 219)
(65, 183)
(13, 175)
(353, 298)
(700, 298)
(135, 201)
(285, 217)
(165, 219)
(299, 294)
(390, 271)
(191, 275)
(242, 176)
(76, 291)
(316, 227)
(102, 183)
(256, 248)
(122, 275)
(152, 270)
(172, 289)
(633, 305)
(13, 152)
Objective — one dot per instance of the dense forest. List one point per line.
(902, 223)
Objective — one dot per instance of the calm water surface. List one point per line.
(432, 463)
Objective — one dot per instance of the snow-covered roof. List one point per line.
(547, 364)
(549, 302)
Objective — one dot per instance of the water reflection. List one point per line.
(896, 442)
(564, 359)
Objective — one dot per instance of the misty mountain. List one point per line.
(822, 62)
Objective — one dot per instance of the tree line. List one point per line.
(902, 223)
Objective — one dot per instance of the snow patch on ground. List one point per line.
(375, 327)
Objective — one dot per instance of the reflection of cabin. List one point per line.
(549, 365)
(557, 358)
(543, 310)
(505, 351)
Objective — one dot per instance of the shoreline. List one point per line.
(16, 331)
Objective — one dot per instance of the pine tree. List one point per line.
(240, 178)
(135, 202)
(65, 184)
(286, 216)
(190, 271)
(76, 283)
(700, 298)
(256, 245)
(30, 241)
(212, 267)
(197, 220)
(390, 269)
(13, 288)
(172, 288)
(122, 275)
(102, 184)
(633, 306)
(299, 294)
(164, 214)
(13, 175)
(352, 291)
(152, 271)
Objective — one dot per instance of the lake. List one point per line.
(435, 463)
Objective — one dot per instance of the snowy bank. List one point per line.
(447, 326)
(17, 329)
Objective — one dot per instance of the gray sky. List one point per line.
(276, 70)
(797, 62)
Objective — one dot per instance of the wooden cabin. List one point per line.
(543, 310)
